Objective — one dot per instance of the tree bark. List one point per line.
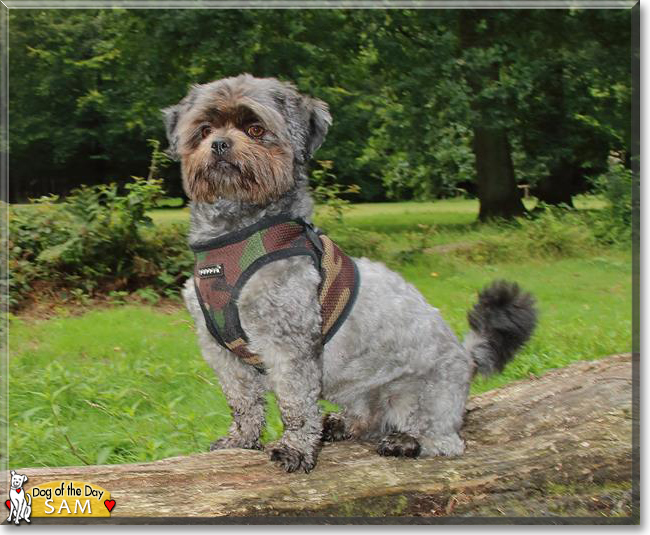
(495, 175)
(555, 446)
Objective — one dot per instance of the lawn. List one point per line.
(399, 215)
(127, 383)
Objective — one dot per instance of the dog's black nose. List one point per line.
(220, 146)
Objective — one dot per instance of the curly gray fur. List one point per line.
(395, 367)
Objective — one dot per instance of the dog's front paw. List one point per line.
(290, 459)
(230, 442)
(398, 445)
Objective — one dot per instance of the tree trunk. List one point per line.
(555, 446)
(565, 180)
(495, 176)
(558, 186)
(555, 189)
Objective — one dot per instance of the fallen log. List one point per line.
(557, 448)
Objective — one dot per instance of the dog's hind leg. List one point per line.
(335, 428)
(422, 414)
(441, 417)
(399, 444)
(398, 425)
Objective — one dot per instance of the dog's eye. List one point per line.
(255, 130)
(205, 131)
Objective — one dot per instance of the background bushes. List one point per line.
(96, 241)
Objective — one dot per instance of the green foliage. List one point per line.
(414, 231)
(405, 88)
(614, 223)
(329, 194)
(159, 159)
(358, 242)
(553, 232)
(97, 240)
(332, 201)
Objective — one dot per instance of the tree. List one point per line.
(483, 56)
(422, 100)
(574, 107)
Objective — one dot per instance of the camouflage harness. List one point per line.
(224, 264)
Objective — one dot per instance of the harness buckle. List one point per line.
(312, 234)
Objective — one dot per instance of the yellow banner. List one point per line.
(70, 499)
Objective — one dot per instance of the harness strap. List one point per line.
(225, 264)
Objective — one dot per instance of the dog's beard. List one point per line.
(256, 176)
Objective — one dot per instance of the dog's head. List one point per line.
(243, 138)
(17, 480)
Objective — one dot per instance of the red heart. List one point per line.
(18, 490)
(8, 504)
(109, 504)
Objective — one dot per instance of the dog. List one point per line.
(398, 372)
(21, 503)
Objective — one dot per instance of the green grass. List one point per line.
(121, 384)
(128, 384)
(585, 307)
(169, 216)
(387, 216)
(382, 217)
(399, 216)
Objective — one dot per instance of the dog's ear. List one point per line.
(309, 117)
(319, 123)
(24, 479)
(13, 472)
(171, 116)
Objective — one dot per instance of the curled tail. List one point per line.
(501, 322)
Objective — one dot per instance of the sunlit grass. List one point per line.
(128, 384)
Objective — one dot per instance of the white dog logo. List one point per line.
(21, 502)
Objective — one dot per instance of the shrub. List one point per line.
(613, 225)
(96, 241)
(329, 194)
(332, 205)
(554, 232)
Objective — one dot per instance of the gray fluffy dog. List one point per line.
(395, 368)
